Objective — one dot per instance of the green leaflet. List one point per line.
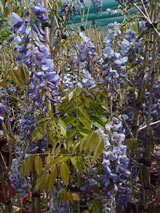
(77, 165)
(38, 164)
(95, 141)
(98, 149)
(39, 132)
(71, 133)
(74, 93)
(85, 142)
(62, 196)
(41, 183)
(46, 181)
(84, 132)
(85, 122)
(69, 120)
(92, 143)
(26, 166)
(53, 163)
(62, 127)
(88, 141)
(84, 112)
(98, 122)
(64, 173)
(52, 177)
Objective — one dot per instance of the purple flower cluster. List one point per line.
(115, 161)
(82, 63)
(97, 5)
(87, 58)
(117, 54)
(29, 41)
(68, 10)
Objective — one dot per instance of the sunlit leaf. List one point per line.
(93, 144)
(64, 172)
(76, 164)
(38, 164)
(98, 149)
(52, 178)
(75, 196)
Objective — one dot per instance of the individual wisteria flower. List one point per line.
(15, 21)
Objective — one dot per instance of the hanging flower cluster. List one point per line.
(82, 63)
(117, 54)
(30, 45)
(33, 52)
(115, 161)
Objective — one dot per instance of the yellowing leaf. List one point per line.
(49, 158)
(88, 141)
(38, 164)
(77, 165)
(64, 173)
(69, 196)
(3, 84)
(82, 141)
(93, 144)
(52, 178)
(75, 196)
